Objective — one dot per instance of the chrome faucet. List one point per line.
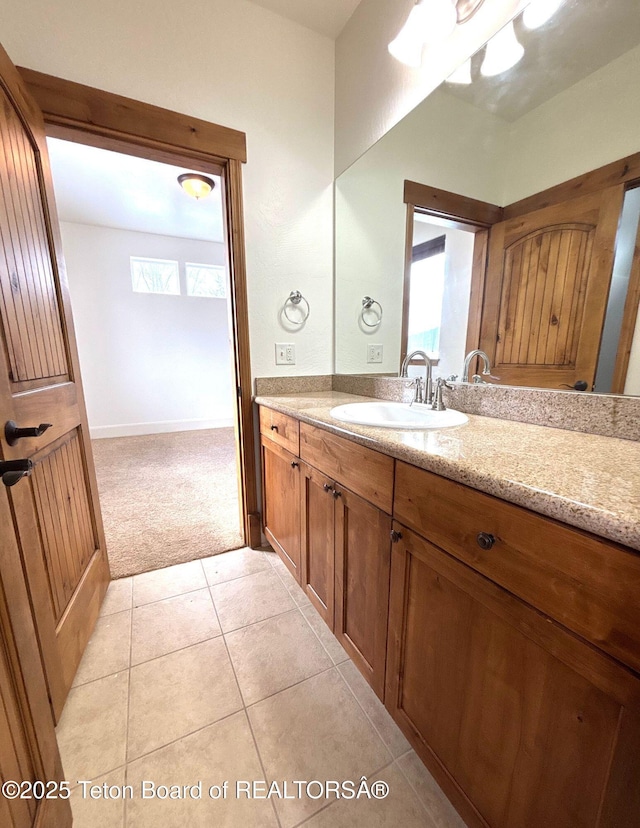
(467, 362)
(428, 386)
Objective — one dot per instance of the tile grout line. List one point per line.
(367, 716)
(126, 741)
(244, 708)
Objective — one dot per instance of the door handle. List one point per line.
(12, 471)
(12, 433)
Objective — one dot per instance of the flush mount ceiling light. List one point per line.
(503, 52)
(196, 185)
(429, 21)
(539, 11)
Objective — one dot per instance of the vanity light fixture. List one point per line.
(429, 21)
(462, 74)
(196, 185)
(503, 52)
(539, 11)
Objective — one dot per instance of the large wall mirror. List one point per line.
(457, 230)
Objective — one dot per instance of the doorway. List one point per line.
(148, 279)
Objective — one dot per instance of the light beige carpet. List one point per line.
(167, 498)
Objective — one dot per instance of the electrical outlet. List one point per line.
(285, 353)
(374, 353)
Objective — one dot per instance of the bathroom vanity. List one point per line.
(455, 568)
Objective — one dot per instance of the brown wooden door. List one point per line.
(28, 749)
(281, 503)
(546, 291)
(362, 563)
(519, 720)
(54, 513)
(317, 538)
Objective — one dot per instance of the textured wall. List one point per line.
(234, 63)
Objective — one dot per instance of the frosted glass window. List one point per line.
(206, 280)
(155, 276)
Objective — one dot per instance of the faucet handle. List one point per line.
(438, 403)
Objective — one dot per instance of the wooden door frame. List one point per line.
(102, 119)
(462, 213)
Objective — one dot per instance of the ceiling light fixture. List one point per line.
(539, 11)
(429, 21)
(503, 52)
(196, 185)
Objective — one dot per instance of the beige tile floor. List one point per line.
(221, 670)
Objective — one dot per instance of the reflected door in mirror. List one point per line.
(546, 291)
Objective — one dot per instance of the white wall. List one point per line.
(590, 124)
(374, 91)
(149, 362)
(438, 144)
(237, 64)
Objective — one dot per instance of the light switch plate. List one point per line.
(285, 353)
(374, 353)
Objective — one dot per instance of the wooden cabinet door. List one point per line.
(28, 749)
(520, 721)
(546, 291)
(362, 562)
(281, 503)
(55, 513)
(317, 538)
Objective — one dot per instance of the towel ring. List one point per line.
(295, 297)
(367, 304)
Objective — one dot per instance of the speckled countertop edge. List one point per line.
(588, 481)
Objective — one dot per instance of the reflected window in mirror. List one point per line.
(435, 305)
(426, 288)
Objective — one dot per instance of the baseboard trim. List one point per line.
(137, 429)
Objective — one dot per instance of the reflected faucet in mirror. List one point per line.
(467, 362)
(428, 383)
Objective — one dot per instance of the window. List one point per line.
(206, 280)
(426, 289)
(155, 276)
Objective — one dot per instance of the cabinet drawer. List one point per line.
(586, 583)
(280, 428)
(366, 472)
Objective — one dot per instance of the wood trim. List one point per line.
(234, 219)
(406, 283)
(629, 318)
(78, 107)
(623, 171)
(460, 209)
(102, 119)
(424, 250)
(476, 298)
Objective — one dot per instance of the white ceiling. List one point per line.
(582, 37)
(96, 186)
(328, 17)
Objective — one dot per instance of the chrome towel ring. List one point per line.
(295, 298)
(367, 305)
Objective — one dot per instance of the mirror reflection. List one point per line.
(541, 275)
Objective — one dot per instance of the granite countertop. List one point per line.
(586, 480)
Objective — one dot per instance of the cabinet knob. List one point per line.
(485, 540)
(274, 428)
(294, 464)
(336, 494)
(327, 487)
(395, 536)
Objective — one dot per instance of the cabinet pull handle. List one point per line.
(336, 494)
(485, 540)
(294, 464)
(327, 487)
(274, 428)
(395, 536)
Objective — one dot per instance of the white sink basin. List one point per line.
(397, 415)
